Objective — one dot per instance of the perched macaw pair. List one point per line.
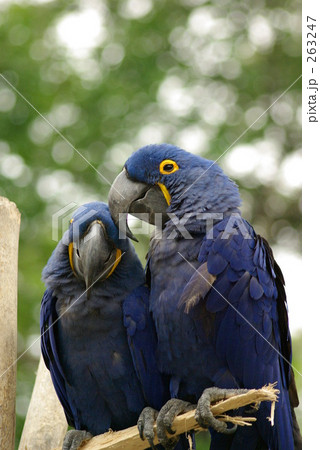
(214, 294)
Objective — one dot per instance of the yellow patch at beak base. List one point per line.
(70, 251)
(118, 258)
(165, 192)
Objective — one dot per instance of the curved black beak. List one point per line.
(93, 256)
(139, 199)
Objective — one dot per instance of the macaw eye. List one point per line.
(168, 166)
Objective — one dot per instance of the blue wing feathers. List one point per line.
(256, 290)
(48, 316)
(247, 330)
(250, 338)
(233, 275)
(239, 287)
(216, 263)
(143, 343)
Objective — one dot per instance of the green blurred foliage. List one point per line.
(191, 72)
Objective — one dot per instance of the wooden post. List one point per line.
(9, 238)
(45, 425)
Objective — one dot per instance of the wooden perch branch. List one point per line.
(129, 439)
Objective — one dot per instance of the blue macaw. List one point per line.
(96, 329)
(216, 295)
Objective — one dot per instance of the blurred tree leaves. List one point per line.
(111, 76)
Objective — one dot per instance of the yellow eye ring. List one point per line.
(168, 166)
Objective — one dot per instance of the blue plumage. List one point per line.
(88, 342)
(234, 334)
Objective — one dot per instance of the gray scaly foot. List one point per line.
(75, 438)
(203, 414)
(145, 424)
(165, 418)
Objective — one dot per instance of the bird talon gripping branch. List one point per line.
(145, 424)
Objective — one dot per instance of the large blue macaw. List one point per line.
(216, 295)
(97, 336)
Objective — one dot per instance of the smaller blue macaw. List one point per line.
(96, 329)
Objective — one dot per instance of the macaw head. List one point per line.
(94, 247)
(163, 178)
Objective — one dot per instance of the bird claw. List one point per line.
(145, 424)
(75, 438)
(203, 413)
(165, 418)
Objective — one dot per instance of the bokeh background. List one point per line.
(111, 76)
